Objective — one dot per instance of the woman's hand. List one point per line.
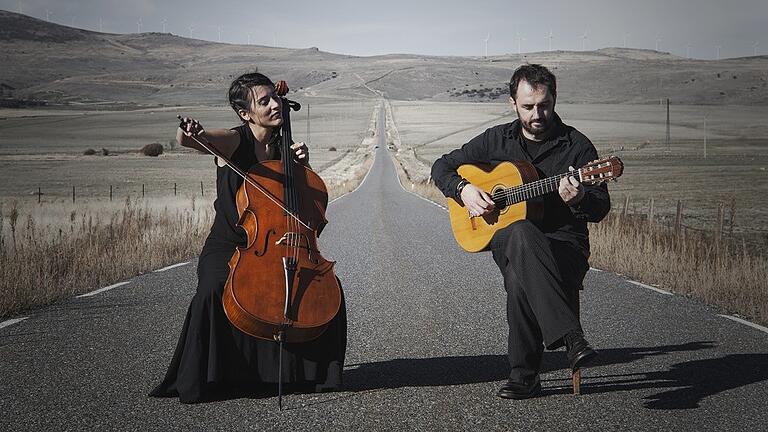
(190, 127)
(302, 152)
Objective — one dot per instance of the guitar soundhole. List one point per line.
(500, 204)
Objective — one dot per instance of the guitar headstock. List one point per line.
(601, 170)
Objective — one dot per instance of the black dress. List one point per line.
(214, 357)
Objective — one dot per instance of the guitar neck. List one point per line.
(513, 195)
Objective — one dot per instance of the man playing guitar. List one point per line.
(543, 262)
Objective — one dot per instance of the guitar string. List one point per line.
(521, 193)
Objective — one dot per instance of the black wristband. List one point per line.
(460, 186)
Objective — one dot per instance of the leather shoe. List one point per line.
(578, 350)
(520, 390)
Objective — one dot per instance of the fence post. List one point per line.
(174, 189)
(678, 217)
(202, 191)
(650, 213)
(39, 194)
(110, 192)
(142, 190)
(720, 221)
(73, 194)
(625, 211)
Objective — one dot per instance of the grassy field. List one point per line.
(44, 149)
(733, 174)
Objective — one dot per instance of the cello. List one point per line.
(279, 286)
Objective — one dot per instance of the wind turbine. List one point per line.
(249, 38)
(138, 25)
(486, 43)
(220, 30)
(658, 42)
(755, 47)
(584, 41)
(165, 25)
(520, 40)
(688, 51)
(191, 29)
(72, 21)
(21, 8)
(626, 35)
(48, 15)
(549, 38)
(717, 52)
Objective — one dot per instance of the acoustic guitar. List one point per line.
(512, 185)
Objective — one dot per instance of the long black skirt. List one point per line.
(213, 357)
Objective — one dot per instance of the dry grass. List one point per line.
(691, 263)
(54, 251)
(42, 260)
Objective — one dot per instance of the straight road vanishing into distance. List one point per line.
(426, 351)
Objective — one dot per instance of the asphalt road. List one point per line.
(427, 344)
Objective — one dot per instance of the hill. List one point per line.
(61, 65)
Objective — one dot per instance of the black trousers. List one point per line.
(542, 277)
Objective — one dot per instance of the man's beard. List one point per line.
(540, 131)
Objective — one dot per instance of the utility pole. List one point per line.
(668, 149)
(308, 136)
(705, 136)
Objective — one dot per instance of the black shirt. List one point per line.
(567, 147)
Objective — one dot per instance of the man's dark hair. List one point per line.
(535, 75)
(240, 90)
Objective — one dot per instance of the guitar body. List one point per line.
(474, 233)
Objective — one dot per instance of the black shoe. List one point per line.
(520, 390)
(578, 350)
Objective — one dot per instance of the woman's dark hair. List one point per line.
(535, 75)
(240, 90)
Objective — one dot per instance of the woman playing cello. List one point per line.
(212, 356)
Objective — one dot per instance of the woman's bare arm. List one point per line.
(225, 141)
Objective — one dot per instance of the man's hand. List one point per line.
(570, 190)
(302, 152)
(476, 201)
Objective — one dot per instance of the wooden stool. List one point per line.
(576, 373)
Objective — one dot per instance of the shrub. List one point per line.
(89, 152)
(331, 148)
(104, 152)
(154, 149)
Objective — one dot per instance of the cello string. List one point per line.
(248, 179)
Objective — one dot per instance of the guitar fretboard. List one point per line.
(507, 196)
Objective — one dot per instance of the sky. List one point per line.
(704, 29)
